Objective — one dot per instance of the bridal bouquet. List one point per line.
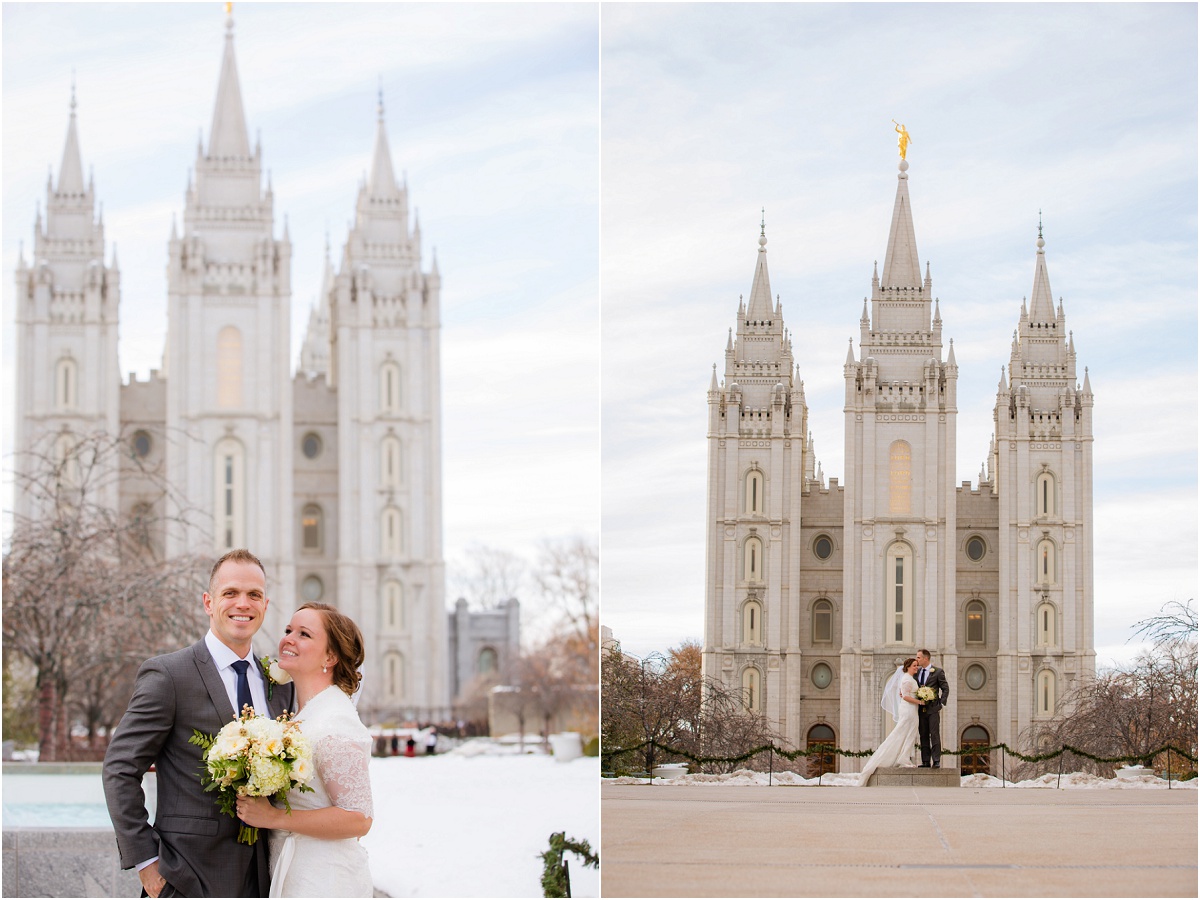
(926, 694)
(254, 756)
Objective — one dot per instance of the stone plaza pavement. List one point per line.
(916, 842)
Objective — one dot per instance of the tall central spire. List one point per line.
(902, 266)
(760, 308)
(228, 136)
(382, 184)
(70, 173)
(1041, 306)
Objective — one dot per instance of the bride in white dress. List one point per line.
(315, 850)
(900, 700)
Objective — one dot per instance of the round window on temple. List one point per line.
(311, 445)
(312, 589)
(823, 547)
(975, 549)
(975, 677)
(822, 675)
(142, 444)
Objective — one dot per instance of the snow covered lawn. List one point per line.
(458, 826)
(1073, 780)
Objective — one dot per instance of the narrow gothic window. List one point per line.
(754, 559)
(752, 623)
(975, 622)
(391, 533)
(1045, 494)
(229, 505)
(66, 460)
(900, 478)
(390, 462)
(389, 387)
(1045, 693)
(393, 668)
(754, 493)
(899, 596)
(229, 368)
(393, 607)
(822, 621)
(311, 528)
(66, 384)
(1046, 562)
(751, 692)
(1046, 621)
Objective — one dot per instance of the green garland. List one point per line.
(792, 755)
(554, 875)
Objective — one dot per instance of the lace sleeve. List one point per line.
(343, 767)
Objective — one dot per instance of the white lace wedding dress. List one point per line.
(897, 748)
(303, 866)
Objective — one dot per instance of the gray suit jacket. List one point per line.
(196, 843)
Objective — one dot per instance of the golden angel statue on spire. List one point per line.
(903, 140)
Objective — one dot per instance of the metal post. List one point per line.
(1003, 760)
(1168, 768)
(1061, 753)
(770, 766)
(566, 875)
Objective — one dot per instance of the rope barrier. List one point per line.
(823, 749)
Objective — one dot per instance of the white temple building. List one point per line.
(816, 591)
(331, 476)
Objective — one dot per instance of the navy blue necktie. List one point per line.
(243, 685)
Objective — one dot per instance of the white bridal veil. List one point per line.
(891, 694)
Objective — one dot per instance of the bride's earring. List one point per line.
(324, 670)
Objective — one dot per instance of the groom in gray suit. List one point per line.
(192, 849)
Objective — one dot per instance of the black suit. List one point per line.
(196, 844)
(930, 715)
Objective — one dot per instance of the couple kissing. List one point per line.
(192, 849)
(914, 714)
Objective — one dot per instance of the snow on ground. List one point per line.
(1131, 780)
(472, 824)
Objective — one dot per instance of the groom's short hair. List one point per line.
(924, 653)
(241, 555)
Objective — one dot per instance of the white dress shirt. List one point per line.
(224, 659)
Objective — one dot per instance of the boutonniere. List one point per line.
(275, 674)
(932, 669)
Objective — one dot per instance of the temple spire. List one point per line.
(902, 266)
(759, 309)
(382, 183)
(1041, 307)
(228, 137)
(70, 173)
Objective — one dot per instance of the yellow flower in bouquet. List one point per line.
(254, 756)
(926, 694)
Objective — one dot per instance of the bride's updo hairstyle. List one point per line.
(345, 642)
(904, 668)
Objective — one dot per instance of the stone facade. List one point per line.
(331, 476)
(483, 643)
(816, 591)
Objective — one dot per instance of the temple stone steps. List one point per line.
(896, 776)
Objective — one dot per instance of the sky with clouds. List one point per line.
(708, 113)
(491, 112)
(711, 112)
